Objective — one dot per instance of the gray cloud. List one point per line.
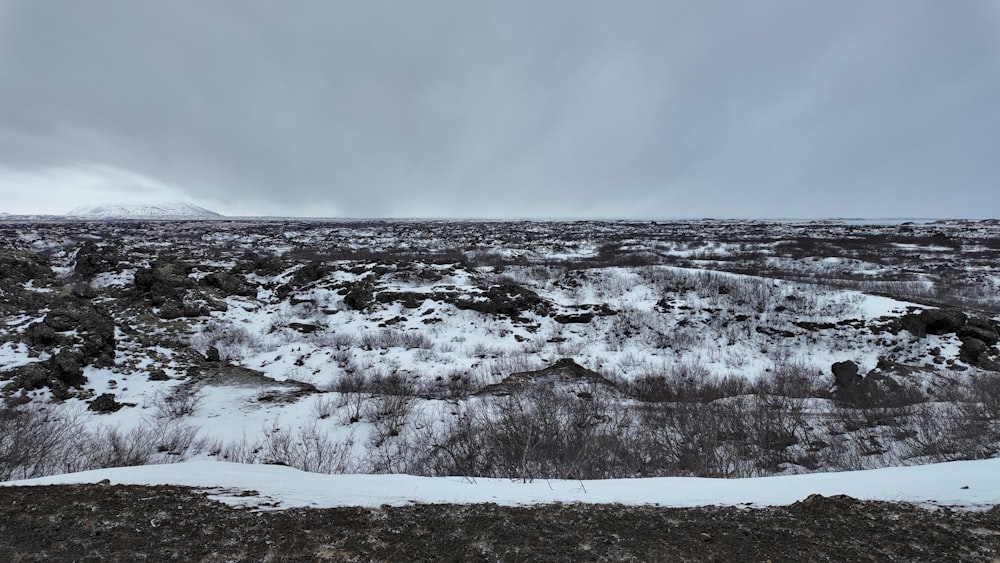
(518, 108)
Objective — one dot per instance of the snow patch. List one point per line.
(964, 484)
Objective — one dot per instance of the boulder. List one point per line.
(67, 367)
(845, 374)
(39, 335)
(105, 404)
(94, 327)
(409, 299)
(30, 377)
(972, 350)
(212, 354)
(507, 299)
(178, 309)
(574, 318)
(311, 272)
(934, 321)
(980, 329)
(60, 373)
(21, 267)
(889, 383)
(360, 295)
(157, 374)
(263, 264)
(92, 259)
(229, 284)
(162, 282)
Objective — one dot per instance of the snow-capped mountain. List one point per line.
(143, 211)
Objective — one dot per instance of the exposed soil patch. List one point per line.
(131, 523)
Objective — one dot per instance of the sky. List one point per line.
(521, 108)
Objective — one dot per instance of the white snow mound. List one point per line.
(962, 484)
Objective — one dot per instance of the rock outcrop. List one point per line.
(979, 336)
(564, 372)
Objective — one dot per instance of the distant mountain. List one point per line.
(143, 211)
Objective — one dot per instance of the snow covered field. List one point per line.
(527, 351)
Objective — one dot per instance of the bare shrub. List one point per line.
(535, 433)
(689, 438)
(382, 339)
(389, 414)
(776, 426)
(324, 406)
(182, 401)
(32, 439)
(354, 404)
(175, 439)
(965, 428)
(983, 398)
(455, 384)
(307, 449)
(351, 382)
(683, 382)
(936, 434)
(864, 438)
(417, 340)
(341, 340)
(114, 447)
(792, 379)
(738, 436)
(381, 383)
(233, 341)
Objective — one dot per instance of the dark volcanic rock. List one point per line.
(888, 383)
(845, 374)
(212, 354)
(30, 377)
(304, 328)
(564, 371)
(178, 309)
(507, 299)
(95, 329)
(21, 267)
(585, 314)
(975, 352)
(163, 281)
(574, 318)
(92, 259)
(311, 272)
(229, 284)
(67, 367)
(104, 404)
(264, 264)
(39, 335)
(167, 286)
(157, 374)
(409, 299)
(980, 329)
(59, 373)
(361, 294)
(934, 321)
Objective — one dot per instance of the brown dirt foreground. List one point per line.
(131, 523)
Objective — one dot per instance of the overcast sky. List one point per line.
(534, 108)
